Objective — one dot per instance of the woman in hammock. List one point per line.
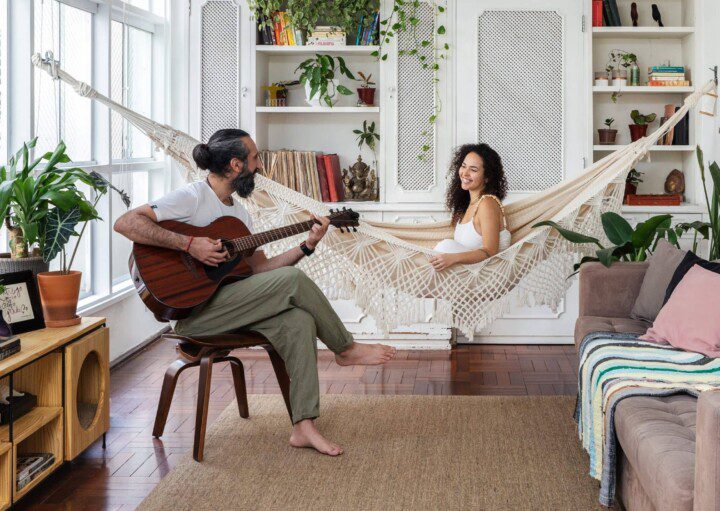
(474, 198)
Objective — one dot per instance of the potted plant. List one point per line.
(607, 135)
(42, 204)
(632, 181)
(640, 124)
(365, 92)
(320, 77)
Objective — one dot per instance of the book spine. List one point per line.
(606, 14)
(615, 13)
(277, 26)
(359, 30)
(597, 13)
(668, 69)
(330, 177)
(322, 177)
(337, 175)
(668, 83)
(299, 37)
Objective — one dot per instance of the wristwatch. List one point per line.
(306, 250)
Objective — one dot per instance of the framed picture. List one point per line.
(20, 303)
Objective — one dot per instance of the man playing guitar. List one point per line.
(278, 300)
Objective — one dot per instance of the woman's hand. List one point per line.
(443, 261)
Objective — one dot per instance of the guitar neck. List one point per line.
(262, 238)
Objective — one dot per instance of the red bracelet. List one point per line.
(189, 243)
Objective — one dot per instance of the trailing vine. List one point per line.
(429, 52)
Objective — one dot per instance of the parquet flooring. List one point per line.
(120, 476)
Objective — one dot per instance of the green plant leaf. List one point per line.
(573, 237)
(646, 231)
(617, 229)
(607, 256)
(59, 227)
(441, 30)
(344, 90)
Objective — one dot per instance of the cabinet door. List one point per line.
(87, 391)
(221, 43)
(407, 105)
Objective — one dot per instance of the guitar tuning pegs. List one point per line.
(354, 229)
(344, 208)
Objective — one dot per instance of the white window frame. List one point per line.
(18, 41)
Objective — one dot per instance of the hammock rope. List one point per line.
(384, 267)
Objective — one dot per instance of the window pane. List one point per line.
(137, 186)
(143, 4)
(116, 87)
(59, 112)
(159, 7)
(139, 88)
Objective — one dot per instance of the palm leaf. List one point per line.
(59, 227)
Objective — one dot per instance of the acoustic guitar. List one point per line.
(173, 283)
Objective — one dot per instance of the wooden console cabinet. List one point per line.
(68, 370)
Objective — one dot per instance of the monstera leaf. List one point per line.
(59, 227)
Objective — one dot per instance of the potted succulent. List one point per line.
(320, 77)
(640, 124)
(42, 204)
(632, 181)
(607, 135)
(365, 92)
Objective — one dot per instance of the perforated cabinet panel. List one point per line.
(220, 66)
(416, 100)
(520, 94)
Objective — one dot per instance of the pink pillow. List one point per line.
(690, 319)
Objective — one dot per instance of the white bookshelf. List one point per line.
(677, 44)
(311, 50)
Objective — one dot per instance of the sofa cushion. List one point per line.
(657, 435)
(587, 324)
(663, 263)
(685, 265)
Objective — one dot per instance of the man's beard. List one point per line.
(244, 183)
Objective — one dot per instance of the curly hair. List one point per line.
(457, 200)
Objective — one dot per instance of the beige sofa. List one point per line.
(669, 456)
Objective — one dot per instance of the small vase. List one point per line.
(637, 131)
(607, 137)
(59, 294)
(316, 101)
(367, 95)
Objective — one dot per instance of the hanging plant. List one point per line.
(429, 52)
(306, 14)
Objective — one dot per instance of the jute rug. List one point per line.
(401, 452)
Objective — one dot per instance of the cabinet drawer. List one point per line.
(87, 391)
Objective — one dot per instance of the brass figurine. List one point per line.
(675, 182)
(360, 182)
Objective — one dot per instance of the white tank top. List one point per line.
(466, 235)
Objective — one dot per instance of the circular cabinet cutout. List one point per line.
(89, 390)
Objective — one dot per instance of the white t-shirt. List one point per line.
(197, 204)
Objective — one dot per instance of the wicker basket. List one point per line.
(34, 264)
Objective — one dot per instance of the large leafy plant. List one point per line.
(628, 243)
(42, 204)
(319, 72)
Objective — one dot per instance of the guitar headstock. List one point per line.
(344, 219)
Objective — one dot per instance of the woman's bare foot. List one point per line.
(305, 434)
(365, 354)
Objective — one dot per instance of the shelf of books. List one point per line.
(39, 453)
(309, 148)
(644, 60)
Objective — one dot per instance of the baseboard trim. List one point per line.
(135, 350)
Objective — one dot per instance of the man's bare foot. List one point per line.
(305, 434)
(365, 354)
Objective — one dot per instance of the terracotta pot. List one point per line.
(637, 131)
(367, 95)
(59, 296)
(607, 137)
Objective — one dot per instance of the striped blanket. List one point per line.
(615, 366)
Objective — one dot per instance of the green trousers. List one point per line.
(287, 308)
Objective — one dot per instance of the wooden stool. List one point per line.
(204, 351)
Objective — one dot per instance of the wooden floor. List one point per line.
(120, 476)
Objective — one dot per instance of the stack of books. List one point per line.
(9, 346)
(367, 36)
(667, 76)
(30, 465)
(327, 36)
(278, 31)
(311, 173)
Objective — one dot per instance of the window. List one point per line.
(124, 71)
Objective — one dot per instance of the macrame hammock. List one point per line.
(384, 267)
